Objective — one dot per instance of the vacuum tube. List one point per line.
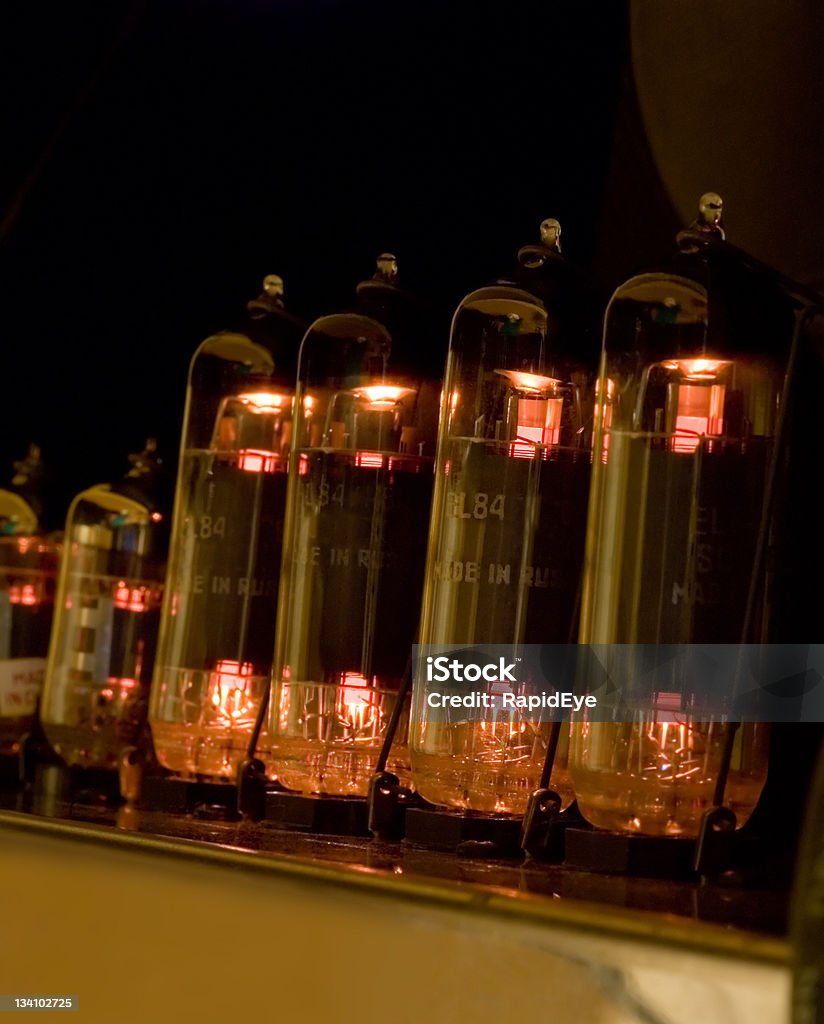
(217, 622)
(685, 420)
(508, 520)
(360, 487)
(110, 590)
(28, 571)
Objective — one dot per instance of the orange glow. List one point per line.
(533, 384)
(677, 745)
(354, 688)
(698, 368)
(502, 729)
(451, 400)
(700, 411)
(229, 689)
(538, 412)
(383, 396)
(25, 594)
(132, 599)
(604, 408)
(539, 423)
(355, 700)
(610, 389)
(700, 414)
(265, 401)
(539, 419)
(118, 683)
(156, 517)
(255, 460)
(369, 460)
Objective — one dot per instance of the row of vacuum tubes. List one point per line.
(333, 507)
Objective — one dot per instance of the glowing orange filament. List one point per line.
(229, 686)
(382, 396)
(254, 460)
(132, 599)
(265, 401)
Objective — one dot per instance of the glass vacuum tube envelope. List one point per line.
(217, 623)
(686, 414)
(28, 575)
(507, 533)
(101, 656)
(360, 489)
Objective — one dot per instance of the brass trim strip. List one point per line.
(607, 921)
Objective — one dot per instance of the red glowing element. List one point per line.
(229, 688)
(537, 410)
(118, 683)
(539, 423)
(354, 688)
(130, 599)
(357, 704)
(25, 594)
(700, 402)
(234, 669)
(519, 450)
(369, 460)
(700, 414)
(255, 460)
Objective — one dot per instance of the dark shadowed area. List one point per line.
(160, 157)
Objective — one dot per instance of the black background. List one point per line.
(159, 158)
